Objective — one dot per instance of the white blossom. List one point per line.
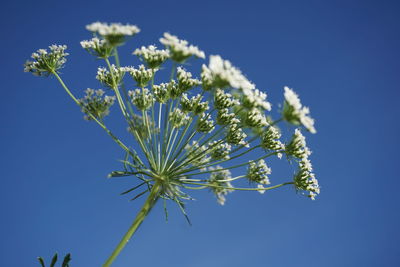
(180, 50)
(106, 29)
(295, 113)
(152, 56)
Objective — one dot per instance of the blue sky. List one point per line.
(342, 57)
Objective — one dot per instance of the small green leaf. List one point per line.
(139, 195)
(67, 259)
(133, 188)
(54, 260)
(40, 259)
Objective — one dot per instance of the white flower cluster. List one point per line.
(185, 80)
(220, 150)
(197, 155)
(254, 98)
(258, 173)
(161, 92)
(205, 124)
(96, 104)
(304, 180)
(224, 117)
(45, 62)
(255, 118)
(111, 79)
(193, 104)
(221, 73)
(97, 47)
(295, 113)
(236, 136)
(270, 139)
(297, 146)
(152, 56)
(219, 183)
(141, 98)
(113, 29)
(224, 100)
(180, 50)
(142, 76)
(178, 118)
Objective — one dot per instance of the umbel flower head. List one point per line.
(295, 113)
(95, 103)
(189, 133)
(114, 33)
(47, 62)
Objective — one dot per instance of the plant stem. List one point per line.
(147, 206)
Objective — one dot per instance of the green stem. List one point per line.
(119, 142)
(148, 205)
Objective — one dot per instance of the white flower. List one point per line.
(220, 150)
(97, 47)
(255, 98)
(47, 62)
(106, 29)
(141, 98)
(224, 100)
(95, 104)
(295, 113)
(220, 184)
(141, 75)
(270, 140)
(297, 146)
(152, 56)
(223, 74)
(180, 50)
(255, 118)
(258, 172)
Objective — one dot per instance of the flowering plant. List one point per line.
(187, 129)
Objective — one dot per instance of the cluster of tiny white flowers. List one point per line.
(295, 113)
(180, 50)
(224, 100)
(161, 92)
(236, 136)
(96, 104)
(297, 147)
(152, 56)
(270, 139)
(45, 62)
(142, 76)
(220, 150)
(205, 124)
(219, 183)
(178, 118)
(196, 154)
(193, 104)
(185, 80)
(304, 180)
(141, 98)
(258, 172)
(255, 98)
(108, 78)
(221, 73)
(97, 47)
(255, 118)
(224, 117)
(113, 29)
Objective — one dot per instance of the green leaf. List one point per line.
(133, 188)
(67, 259)
(40, 259)
(54, 260)
(139, 195)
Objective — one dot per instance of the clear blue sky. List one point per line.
(342, 57)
